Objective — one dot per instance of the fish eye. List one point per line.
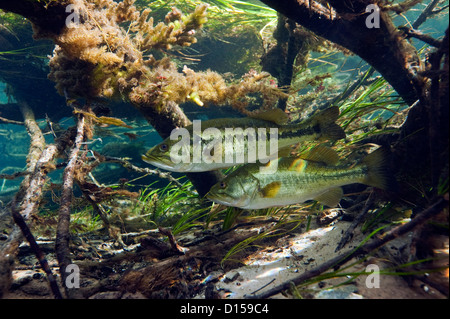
(163, 147)
(222, 185)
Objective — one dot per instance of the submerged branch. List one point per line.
(37, 141)
(20, 221)
(145, 170)
(428, 12)
(14, 175)
(349, 232)
(62, 230)
(384, 48)
(422, 37)
(29, 196)
(5, 120)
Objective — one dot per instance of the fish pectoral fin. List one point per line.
(277, 116)
(271, 190)
(331, 197)
(322, 154)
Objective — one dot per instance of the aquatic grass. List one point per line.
(192, 218)
(351, 276)
(369, 99)
(85, 221)
(381, 215)
(374, 97)
(443, 186)
(221, 13)
(242, 246)
(232, 214)
(283, 226)
(172, 206)
(25, 52)
(230, 218)
(168, 199)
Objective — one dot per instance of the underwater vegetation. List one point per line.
(96, 84)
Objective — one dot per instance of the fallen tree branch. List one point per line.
(20, 221)
(28, 198)
(426, 13)
(62, 230)
(422, 37)
(336, 262)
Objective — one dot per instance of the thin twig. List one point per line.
(336, 262)
(145, 170)
(426, 13)
(20, 221)
(172, 240)
(25, 173)
(422, 37)
(14, 175)
(5, 120)
(349, 232)
(254, 292)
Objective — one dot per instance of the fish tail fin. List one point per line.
(377, 173)
(326, 120)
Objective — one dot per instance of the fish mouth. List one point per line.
(227, 201)
(158, 162)
(166, 164)
(219, 201)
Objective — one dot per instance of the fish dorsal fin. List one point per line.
(331, 197)
(322, 154)
(271, 190)
(277, 116)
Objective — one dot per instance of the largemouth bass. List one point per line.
(222, 143)
(309, 177)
